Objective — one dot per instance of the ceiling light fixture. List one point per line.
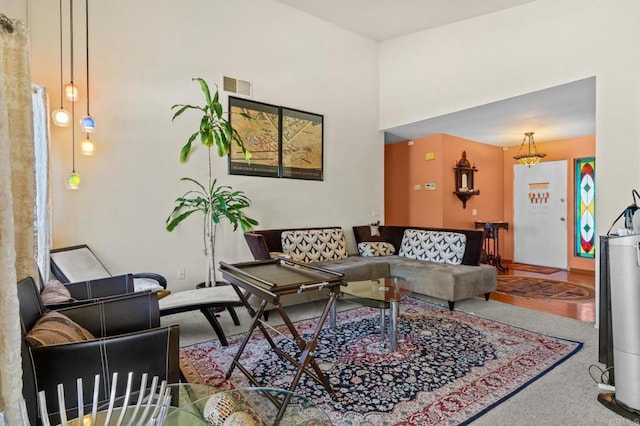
(87, 123)
(532, 156)
(61, 116)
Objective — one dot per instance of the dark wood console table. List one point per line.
(491, 243)
(268, 280)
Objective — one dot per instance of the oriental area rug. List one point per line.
(450, 367)
(542, 288)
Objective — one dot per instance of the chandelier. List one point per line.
(531, 157)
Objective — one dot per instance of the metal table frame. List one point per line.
(400, 287)
(257, 279)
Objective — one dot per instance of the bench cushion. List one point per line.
(314, 245)
(433, 246)
(445, 281)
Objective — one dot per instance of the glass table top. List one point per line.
(256, 406)
(377, 293)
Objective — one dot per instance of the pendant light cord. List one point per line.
(86, 10)
(61, 77)
(73, 115)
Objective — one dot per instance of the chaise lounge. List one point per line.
(80, 264)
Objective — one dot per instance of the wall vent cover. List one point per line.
(235, 85)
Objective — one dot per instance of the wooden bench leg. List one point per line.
(211, 317)
(451, 305)
(234, 316)
(486, 296)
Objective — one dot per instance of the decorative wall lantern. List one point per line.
(464, 172)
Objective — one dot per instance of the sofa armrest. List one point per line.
(154, 352)
(125, 314)
(257, 245)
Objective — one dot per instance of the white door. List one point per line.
(540, 214)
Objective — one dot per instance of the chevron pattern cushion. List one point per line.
(314, 245)
(55, 328)
(375, 249)
(433, 246)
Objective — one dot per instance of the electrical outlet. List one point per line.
(181, 274)
(431, 186)
(416, 187)
(474, 212)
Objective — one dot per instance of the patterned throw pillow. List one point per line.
(55, 292)
(55, 328)
(315, 245)
(433, 246)
(375, 249)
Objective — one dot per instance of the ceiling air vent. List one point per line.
(234, 85)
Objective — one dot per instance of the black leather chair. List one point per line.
(92, 291)
(128, 339)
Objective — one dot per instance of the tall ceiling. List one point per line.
(384, 19)
(559, 112)
(556, 113)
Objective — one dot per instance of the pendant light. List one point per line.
(87, 123)
(73, 180)
(70, 89)
(61, 116)
(531, 156)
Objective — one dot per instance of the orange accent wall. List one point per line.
(406, 166)
(488, 179)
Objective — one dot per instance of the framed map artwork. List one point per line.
(302, 139)
(258, 125)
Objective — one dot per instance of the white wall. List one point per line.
(143, 56)
(531, 47)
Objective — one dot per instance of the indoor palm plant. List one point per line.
(214, 201)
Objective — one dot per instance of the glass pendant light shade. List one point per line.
(88, 124)
(70, 92)
(531, 156)
(87, 146)
(61, 117)
(73, 181)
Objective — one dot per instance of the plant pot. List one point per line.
(203, 284)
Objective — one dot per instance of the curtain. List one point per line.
(41, 137)
(17, 200)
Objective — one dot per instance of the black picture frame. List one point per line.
(259, 127)
(301, 144)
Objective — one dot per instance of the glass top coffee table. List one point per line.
(382, 293)
(254, 406)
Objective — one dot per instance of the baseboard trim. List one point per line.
(581, 271)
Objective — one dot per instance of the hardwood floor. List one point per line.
(581, 310)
